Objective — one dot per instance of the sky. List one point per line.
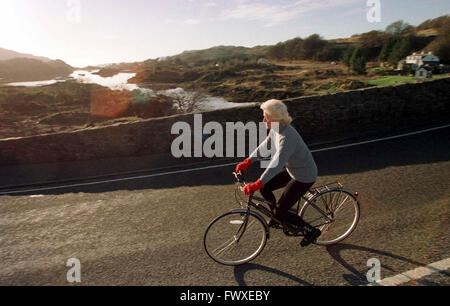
(94, 32)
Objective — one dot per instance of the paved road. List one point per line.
(149, 231)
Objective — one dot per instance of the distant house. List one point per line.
(424, 72)
(421, 59)
(417, 60)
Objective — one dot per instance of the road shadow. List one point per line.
(240, 271)
(357, 278)
(426, 148)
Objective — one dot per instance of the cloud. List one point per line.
(275, 14)
(189, 21)
(357, 10)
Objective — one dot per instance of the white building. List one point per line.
(421, 59)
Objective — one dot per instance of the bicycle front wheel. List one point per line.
(335, 212)
(235, 238)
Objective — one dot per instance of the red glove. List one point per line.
(243, 166)
(251, 188)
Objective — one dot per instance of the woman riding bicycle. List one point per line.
(298, 176)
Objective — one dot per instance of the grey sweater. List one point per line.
(290, 152)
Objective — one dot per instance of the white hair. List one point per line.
(277, 111)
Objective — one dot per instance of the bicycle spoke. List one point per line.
(324, 201)
(324, 227)
(330, 203)
(333, 200)
(219, 250)
(340, 205)
(235, 241)
(321, 212)
(335, 212)
(314, 220)
(235, 238)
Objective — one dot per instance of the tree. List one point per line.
(400, 50)
(372, 39)
(277, 51)
(186, 102)
(347, 55)
(387, 48)
(371, 43)
(358, 62)
(312, 45)
(398, 27)
(292, 47)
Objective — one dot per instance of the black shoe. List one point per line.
(311, 234)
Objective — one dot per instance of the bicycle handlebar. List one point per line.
(240, 179)
(239, 176)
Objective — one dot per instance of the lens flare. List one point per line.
(109, 104)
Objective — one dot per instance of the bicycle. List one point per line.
(240, 235)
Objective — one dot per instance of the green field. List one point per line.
(392, 80)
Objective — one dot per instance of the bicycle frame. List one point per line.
(257, 206)
(260, 208)
(308, 198)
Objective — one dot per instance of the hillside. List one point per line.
(68, 106)
(28, 69)
(299, 66)
(6, 54)
(219, 54)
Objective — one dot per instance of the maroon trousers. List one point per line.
(291, 194)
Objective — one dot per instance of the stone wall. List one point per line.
(318, 118)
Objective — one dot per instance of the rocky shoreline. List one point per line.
(251, 82)
(70, 106)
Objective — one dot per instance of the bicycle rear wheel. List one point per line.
(335, 212)
(235, 238)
